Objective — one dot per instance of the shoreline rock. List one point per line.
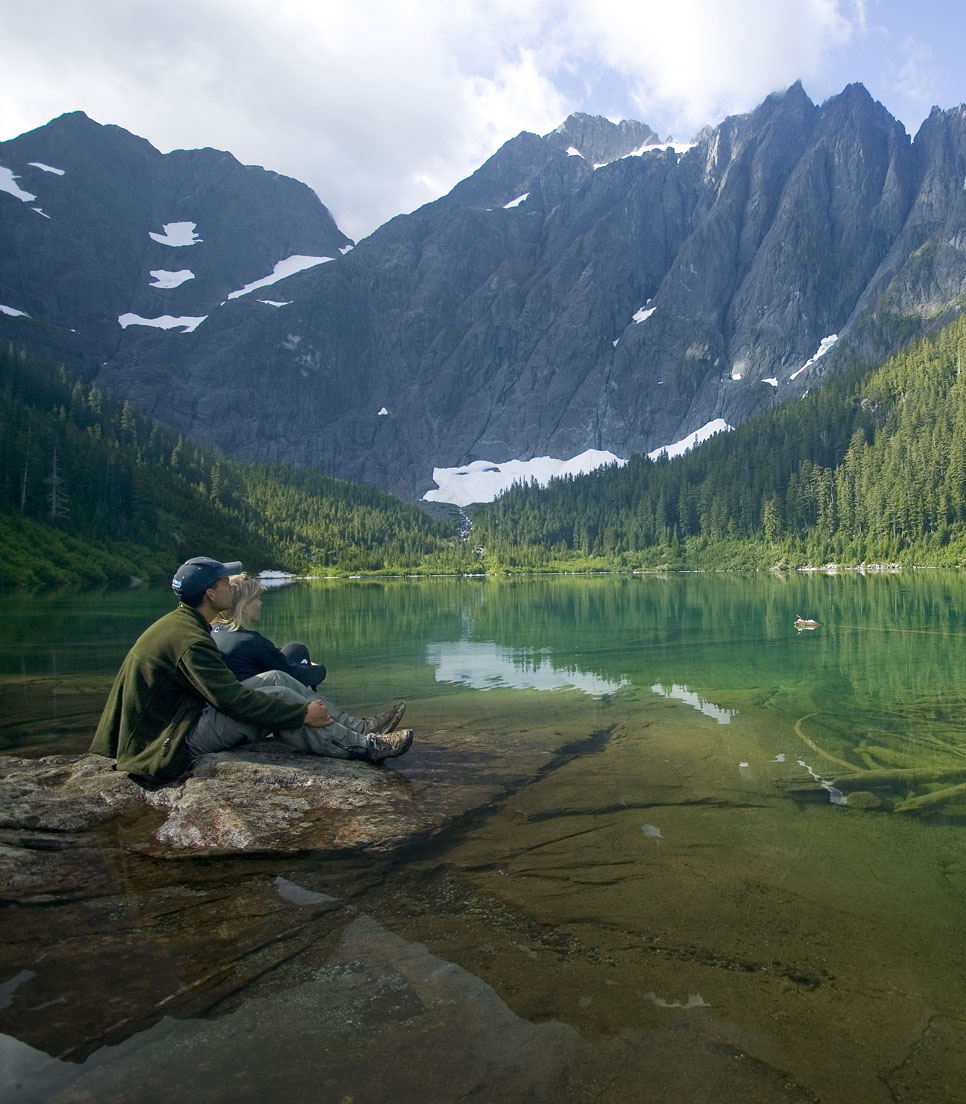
(60, 815)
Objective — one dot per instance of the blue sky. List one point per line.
(381, 105)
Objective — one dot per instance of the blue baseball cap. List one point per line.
(199, 573)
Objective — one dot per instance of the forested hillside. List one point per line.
(870, 468)
(92, 492)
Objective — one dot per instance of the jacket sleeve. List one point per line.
(202, 665)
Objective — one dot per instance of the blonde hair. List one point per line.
(244, 590)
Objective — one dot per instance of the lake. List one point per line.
(679, 906)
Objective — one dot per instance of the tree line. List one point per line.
(93, 492)
(869, 468)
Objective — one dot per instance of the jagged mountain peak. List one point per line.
(546, 307)
(600, 141)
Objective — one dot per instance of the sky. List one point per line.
(383, 105)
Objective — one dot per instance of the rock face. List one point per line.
(264, 799)
(573, 293)
(85, 244)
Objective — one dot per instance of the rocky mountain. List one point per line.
(106, 241)
(593, 288)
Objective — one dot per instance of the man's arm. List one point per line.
(202, 665)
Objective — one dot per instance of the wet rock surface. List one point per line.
(264, 799)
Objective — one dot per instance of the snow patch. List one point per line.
(827, 343)
(8, 183)
(287, 267)
(165, 322)
(13, 312)
(659, 147)
(771, 380)
(572, 151)
(177, 234)
(47, 168)
(719, 425)
(40, 211)
(484, 480)
(644, 313)
(515, 202)
(165, 279)
(276, 302)
(382, 413)
(346, 249)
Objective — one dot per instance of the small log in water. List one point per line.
(906, 778)
(930, 800)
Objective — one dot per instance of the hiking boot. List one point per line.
(387, 745)
(385, 722)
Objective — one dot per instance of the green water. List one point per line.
(675, 913)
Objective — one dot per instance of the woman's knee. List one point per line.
(267, 679)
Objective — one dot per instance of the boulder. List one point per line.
(268, 799)
(63, 816)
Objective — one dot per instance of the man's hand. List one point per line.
(316, 715)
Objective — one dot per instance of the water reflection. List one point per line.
(709, 709)
(487, 666)
(642, 913)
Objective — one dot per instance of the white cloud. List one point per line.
(692, 62)
(383, 106)
(916, 80)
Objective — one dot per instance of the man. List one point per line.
(174, 698)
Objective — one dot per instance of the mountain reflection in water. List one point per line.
(487, 666)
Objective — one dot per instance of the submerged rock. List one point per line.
(60, 814)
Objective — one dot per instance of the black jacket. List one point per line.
(249, 653)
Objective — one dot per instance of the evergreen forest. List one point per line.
(93, 493)
(868, 469)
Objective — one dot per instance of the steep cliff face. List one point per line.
(591, 288)
(106, 228)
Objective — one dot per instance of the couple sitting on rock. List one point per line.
(176, 698)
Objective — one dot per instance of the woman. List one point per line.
(249, 653)
(285, 672)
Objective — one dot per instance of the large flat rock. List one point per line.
(59, 813)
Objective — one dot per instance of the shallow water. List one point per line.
(659, 914)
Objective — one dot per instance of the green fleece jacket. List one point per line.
(173, 671)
